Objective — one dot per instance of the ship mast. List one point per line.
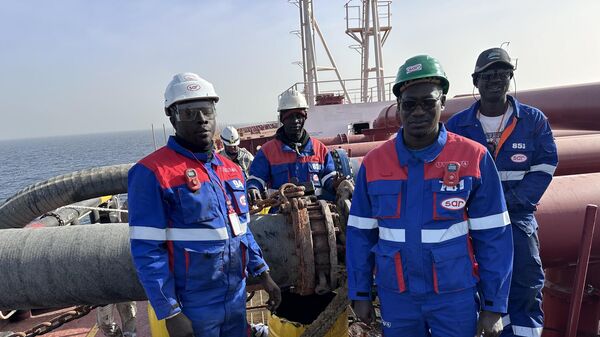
(366, 23)
(308, 28)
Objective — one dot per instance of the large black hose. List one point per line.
(91, 264)
(35, 200)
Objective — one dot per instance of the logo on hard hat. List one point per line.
(193, 87)
(453, 204)
(414, 68)
(518, 158)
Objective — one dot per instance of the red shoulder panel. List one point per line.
(169, 167)
(466, 152)
(229, 170)
(382, 163)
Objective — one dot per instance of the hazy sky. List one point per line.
(73, 67)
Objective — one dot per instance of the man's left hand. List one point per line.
(489, 324)
(272, 289)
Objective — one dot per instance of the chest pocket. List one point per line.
(449, 202)
(237, 194)
(517, 155)
(199, 206)
(386, 199)
(280, 175)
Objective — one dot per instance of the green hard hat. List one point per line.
(420, 67)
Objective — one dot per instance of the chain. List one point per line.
(56, 322)
(61, 222)
(279, 197)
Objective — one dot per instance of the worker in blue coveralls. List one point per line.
(190, 240)
(520, 140)
(292, 155)
(429, 219)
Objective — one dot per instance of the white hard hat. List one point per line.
(291, 99)
(188, 86)
(230, 136)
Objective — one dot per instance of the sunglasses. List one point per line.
(188, 113)
(503, 74)
(427, 104)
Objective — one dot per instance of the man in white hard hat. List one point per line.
(190, 240)
(293, 154)
(239, 155)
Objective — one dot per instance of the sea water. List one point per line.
(27, 161)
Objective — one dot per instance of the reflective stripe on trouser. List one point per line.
(445, 315)
(525, 316)
(225, 319)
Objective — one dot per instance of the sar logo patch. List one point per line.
(518, 158)
(414, 68)
(453, 204)
(193, 87)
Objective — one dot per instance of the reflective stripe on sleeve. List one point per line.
(547, 168)
(392, 234)
(441, 235)
(362, 223)
(330, 175)
(519, 175)
(511, 175)
(490, 221)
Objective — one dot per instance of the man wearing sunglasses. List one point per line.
(520, 139)
(429, 219)
(188, 216)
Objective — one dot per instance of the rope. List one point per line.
(329, 316)
(95, 208)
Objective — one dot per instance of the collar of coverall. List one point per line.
(288, 144)
(201, 156)
(430, 152)
(471, 117)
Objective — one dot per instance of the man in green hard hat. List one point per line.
(429, 219)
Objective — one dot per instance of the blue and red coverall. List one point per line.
(276, 163)
(526, 158)
(185, 252)
(429, 244)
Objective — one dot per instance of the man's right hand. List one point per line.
(179, 326)
(364, 310)
(254, 196)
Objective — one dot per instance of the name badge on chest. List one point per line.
(234, 221)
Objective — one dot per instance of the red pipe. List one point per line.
(576, 154)
(582, 268)
(346, 139)
(569, 132)
(569, 107)
(560, 214)
(356, 149)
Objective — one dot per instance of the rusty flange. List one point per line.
(315, 236)
(304, 246)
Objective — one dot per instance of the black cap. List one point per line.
(492, 56)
